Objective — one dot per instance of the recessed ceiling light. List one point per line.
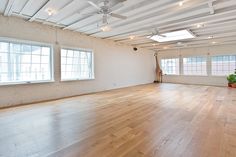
(50, 11)
(210, 37)
(173, 36)
(181, 3)
(131, 37)
(213, 42)
(106, 28)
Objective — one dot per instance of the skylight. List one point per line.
(173, 36)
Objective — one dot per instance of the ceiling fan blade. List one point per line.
(118, 6)
(163, 36)
(118, 16)
(94, 5)
(157, 32)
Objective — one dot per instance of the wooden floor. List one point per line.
(153, 120)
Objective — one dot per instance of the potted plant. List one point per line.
(232, 80)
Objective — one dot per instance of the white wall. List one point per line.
(201, 51)
(116, 66)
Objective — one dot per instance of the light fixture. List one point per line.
(210, 37)
(179, 43)
(131, 37)
(173, 36)
(200, 25)
(213, 42)
(181, 3)
(106, 28)
(50, 11)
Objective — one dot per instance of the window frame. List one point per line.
(78, 49)
(178, 58)
(31, 43)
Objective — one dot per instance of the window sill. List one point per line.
(195, 75)
(71, 80)
(26, 83)
(198, 76)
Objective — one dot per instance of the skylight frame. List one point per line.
(171, 37)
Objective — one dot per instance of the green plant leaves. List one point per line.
(232, 78)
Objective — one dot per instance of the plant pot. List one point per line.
(233, 85)
(229, 84)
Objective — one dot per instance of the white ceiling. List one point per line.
(144, 16)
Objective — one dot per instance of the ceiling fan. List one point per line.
(106, 10)
(156, 32)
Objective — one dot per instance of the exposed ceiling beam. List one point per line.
(38, 11)
(168, 12)
(81, 21)
(186, 43)
(218, 18)
(223, 15)
(138, 10)
(25, 5)
(174, 19)
(221, 22)
(9, 7)
(59, 10)
(166, 22)
(210, 30)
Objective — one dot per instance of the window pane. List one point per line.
(170, 66)
(4, 47)
(36, 50)
(223, 65)
(76, 64)
(194, 66)
(24, 62)
(45, 51)
(63, 52)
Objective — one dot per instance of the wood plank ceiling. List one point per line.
(212, 21)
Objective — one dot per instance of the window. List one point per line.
(24, 63)
(223, 65)
(170, 66)
(195, 66)
(76, 64)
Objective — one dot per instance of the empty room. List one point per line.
(117, 78)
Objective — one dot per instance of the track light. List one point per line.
(106, 28)
(131, 37)
(50, 11)
(181, 3)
